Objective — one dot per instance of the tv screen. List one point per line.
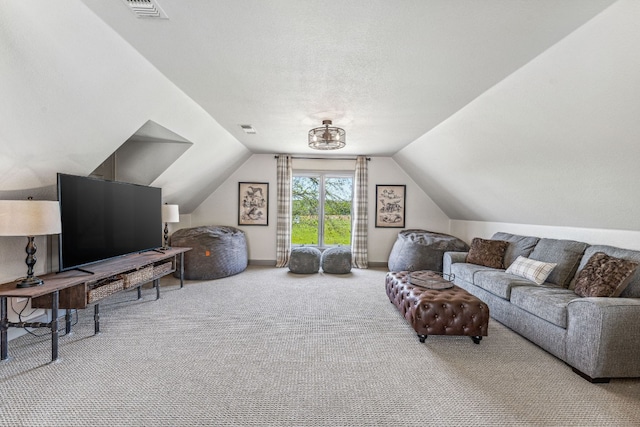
(105, 219)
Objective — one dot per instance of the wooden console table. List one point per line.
(76, 289)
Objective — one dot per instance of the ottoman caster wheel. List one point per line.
(476, 339)
(422, 337)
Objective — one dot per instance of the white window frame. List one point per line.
(323, 175)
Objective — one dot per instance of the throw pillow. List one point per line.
(489, 253)
(518, 246)
(536, 271)
(604, 276)
(566, 253)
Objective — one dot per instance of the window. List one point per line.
(321, 208)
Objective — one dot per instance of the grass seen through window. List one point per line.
(326, 198)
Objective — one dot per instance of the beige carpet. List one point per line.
(270, 348)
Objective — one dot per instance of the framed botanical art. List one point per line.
(390, 205)
(253, 203)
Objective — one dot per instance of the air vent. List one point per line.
(146, 9)
(248, 129)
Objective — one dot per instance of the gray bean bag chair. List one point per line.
(217, 251)
(422, 250)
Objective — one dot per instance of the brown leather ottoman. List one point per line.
(451, 311)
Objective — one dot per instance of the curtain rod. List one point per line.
(323, 158)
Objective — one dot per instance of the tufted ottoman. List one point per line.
(304, 260)
(336, 260)
(451, 311)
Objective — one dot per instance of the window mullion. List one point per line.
(321, 212)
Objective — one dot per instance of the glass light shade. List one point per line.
(29, 217)
(170, 213)
(327, 137)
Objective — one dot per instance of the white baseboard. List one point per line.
(272, 263)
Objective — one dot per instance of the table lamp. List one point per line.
(170, 213)
(29, 218)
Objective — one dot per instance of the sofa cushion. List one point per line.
(566, 253)
(466, 272)
(489, 253)
(633, 288)
(498, 282)
(546, 302)
(536, 271)
(604, 276)
(518, 246)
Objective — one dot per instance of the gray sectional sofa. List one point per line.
(599, 337)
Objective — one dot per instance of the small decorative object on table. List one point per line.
(431, 279)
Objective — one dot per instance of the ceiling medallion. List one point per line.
(327, 137)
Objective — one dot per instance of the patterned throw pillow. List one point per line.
(536, 271)
(489, 253)
(604, 276)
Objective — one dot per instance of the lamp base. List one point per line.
(29, 282)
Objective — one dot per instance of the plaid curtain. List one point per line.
(283, 229)
(359, 255)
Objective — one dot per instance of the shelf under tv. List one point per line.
(75, 289)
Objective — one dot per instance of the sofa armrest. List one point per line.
(452, 258)
(603, 336)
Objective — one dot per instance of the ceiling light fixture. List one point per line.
(327, 137)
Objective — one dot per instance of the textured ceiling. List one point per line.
(388, 72)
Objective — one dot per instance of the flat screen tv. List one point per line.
(105, 219)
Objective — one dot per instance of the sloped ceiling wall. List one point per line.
(72, 91)
(555, 143)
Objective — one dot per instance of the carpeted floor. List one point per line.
(270, 348)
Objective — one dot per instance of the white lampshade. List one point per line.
(170, 213)
(29, 217)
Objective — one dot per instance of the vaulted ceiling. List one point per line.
(388, 72)
(519, 111)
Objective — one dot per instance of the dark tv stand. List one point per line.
(73, 290)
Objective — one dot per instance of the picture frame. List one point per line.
(253, 203)
(390, 206)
